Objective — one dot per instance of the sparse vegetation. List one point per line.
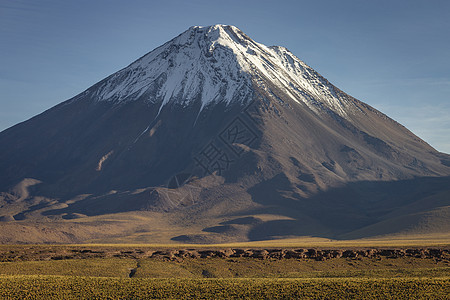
(110, 267)
(230, 268)
(101, 272)
(63, 287)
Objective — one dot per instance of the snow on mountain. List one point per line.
(217, 63)
(287, 162)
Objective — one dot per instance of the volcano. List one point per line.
(213, 137)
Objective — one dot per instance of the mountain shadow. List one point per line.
(352, 210)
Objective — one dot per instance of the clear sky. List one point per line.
(393, 55)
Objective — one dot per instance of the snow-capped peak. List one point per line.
(213, 64)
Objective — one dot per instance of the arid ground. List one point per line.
(308, 269)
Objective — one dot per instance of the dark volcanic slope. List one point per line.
(213, 127)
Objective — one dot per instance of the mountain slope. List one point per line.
(209, 128)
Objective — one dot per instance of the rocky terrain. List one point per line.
(214, 137)
(39, 253)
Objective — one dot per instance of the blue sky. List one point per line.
(393, 55)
